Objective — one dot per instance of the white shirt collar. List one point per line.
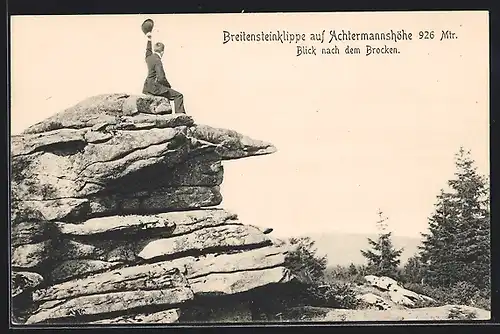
(159, 55)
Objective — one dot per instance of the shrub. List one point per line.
(332, 295)
(426, 303)
(359, 280)
(482, 299)
(462, 293)
(339, 295)
(303, 262)
(315, 286)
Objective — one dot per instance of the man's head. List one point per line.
(159, 48)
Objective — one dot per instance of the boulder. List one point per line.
(374, 300)
(397, 293)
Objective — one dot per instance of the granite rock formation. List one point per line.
(114, 216)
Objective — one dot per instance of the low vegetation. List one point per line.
(461, 293)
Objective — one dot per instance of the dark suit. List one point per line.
(156, 82)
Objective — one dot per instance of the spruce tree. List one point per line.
(352, 270)
(383, 258)
(457, 245)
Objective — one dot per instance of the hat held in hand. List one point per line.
(147, 26)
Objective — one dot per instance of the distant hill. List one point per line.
(342, 249)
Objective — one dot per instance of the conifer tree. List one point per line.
(457, 245)
(383, 258)
(352, 269)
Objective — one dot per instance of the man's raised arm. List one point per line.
(149, 45)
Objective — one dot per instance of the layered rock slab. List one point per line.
(182, 279)
(100, 242)
(110, 303)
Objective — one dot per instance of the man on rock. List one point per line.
(156, 82)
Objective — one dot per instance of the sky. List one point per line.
(354, 133)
